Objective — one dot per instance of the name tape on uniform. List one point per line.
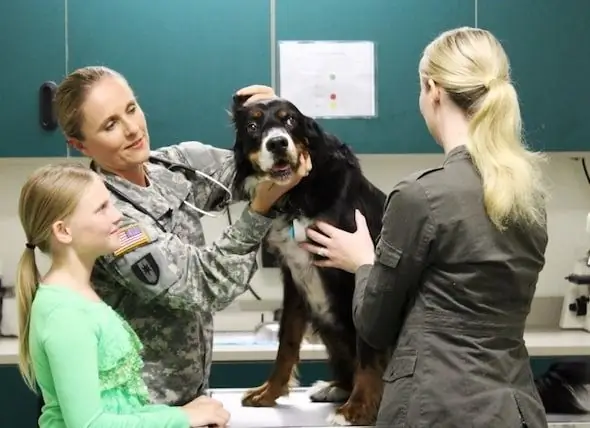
(130, 238)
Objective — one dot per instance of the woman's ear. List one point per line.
(78, 145)
(433, 91)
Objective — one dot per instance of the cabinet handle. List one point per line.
(47, 116)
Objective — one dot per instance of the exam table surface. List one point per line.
(297, 411)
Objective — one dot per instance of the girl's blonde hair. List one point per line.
(472, 67)
(50, 194)
(71, 95)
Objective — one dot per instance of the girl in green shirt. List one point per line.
(82, 355)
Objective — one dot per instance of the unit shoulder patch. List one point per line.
(146, 270)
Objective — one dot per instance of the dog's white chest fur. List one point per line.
(300, 262)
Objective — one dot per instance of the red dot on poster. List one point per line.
(333, 96)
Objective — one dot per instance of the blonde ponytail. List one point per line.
(473, 69)
(27, 281)
(511, 175)
(50, 194)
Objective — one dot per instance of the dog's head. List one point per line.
(271, 136)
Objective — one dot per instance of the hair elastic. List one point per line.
(30, 246)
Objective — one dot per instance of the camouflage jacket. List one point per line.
(164, 280)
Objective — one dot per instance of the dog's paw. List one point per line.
(327, 392)
(336, 419)
(263, 396)
(355, 414)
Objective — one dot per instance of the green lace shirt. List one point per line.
(87, 364)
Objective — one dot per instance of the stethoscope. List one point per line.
(190, 173)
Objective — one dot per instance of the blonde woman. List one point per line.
(452, 278)
(84, 358)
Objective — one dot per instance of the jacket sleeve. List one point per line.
(158, 266)
(383, 289)
(76, 381)
(215, 162)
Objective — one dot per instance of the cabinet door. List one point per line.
(400, 29)
(547, 42)
(19, 407)
(32, 51)
(184, 59)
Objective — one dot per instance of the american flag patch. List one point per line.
(131, 237)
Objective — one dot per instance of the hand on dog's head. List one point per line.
(245, 100)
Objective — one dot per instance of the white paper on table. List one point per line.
(329, 79)
(293, 411)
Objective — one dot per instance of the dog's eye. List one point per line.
(252, 127)
(290, 122)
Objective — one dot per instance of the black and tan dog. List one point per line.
(270, 137)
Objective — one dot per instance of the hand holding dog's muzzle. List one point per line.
(305, 166)
(268, 192)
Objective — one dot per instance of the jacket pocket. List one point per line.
(388, 254)
(398, 388)
(402, 364)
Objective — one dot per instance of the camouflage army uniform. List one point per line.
(168, 284)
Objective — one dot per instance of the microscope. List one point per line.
(574, 312)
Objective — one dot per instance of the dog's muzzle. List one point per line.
(278, 154)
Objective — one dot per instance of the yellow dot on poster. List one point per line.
(333, 105)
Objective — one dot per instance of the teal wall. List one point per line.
(19, 406)
(185, 58)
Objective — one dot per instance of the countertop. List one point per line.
(245, 347)
(296, 411)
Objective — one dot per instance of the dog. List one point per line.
(271, 136)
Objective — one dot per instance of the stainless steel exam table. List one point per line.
(297, 411)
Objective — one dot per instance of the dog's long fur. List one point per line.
(323, 296)
(565, 387)
(334, 188)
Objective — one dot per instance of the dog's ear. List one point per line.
(313, 131)
(236, 106)
(243, 169)
(242, 164)
(323, 145)
(239, 100)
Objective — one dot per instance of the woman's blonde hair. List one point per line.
(71, 95)
(473, 68)
(50, 194)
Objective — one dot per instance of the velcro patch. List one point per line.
(130, 238)
(146, 270)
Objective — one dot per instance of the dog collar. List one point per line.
(297, 231)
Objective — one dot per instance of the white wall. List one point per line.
(568, 208)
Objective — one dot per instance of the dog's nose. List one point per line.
(276, 144)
